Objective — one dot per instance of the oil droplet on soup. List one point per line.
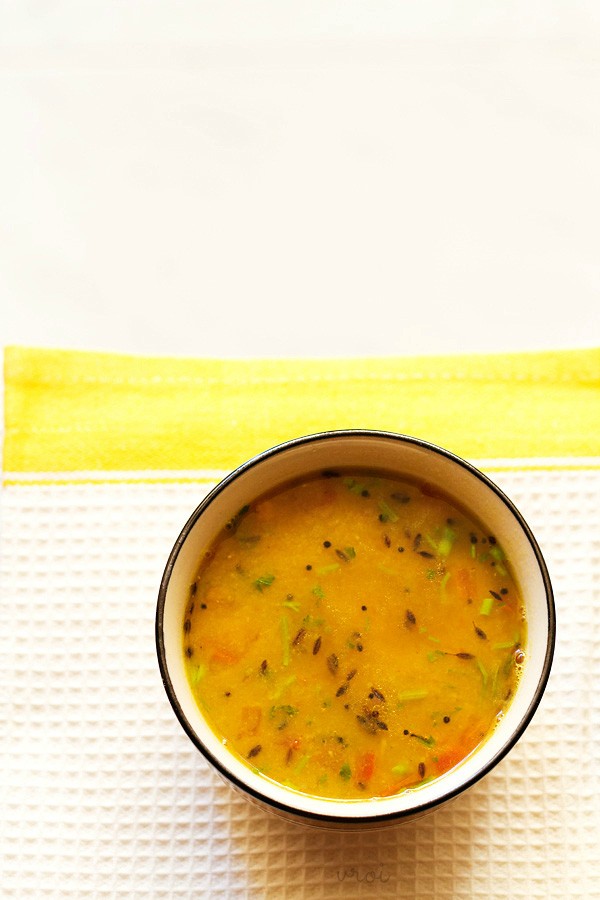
(353, 635)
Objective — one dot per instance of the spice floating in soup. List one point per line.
(353, 635)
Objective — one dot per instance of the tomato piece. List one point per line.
(225, 656)
(466, 583)
(448, 759)
(406, 782)
(365, 767)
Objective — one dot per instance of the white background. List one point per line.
(300, 178)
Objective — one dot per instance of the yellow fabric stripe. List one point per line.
(70, 411)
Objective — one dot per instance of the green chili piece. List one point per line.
(412, 695)
(198, 673)
(387, 512)
(443, 584)
(487, 604)
(354, 486)
(326, 570)
(292, 604)
(283, 687)
(483, 670)
(447, 541)
(301, 764)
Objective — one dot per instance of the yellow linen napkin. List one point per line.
(69, 411)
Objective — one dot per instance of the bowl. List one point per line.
(404, 456)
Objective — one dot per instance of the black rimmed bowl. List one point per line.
(405, 457)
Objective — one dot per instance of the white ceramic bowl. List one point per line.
(396, 454)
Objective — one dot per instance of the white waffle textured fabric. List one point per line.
(103, 795)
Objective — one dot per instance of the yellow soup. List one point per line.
(353, 635)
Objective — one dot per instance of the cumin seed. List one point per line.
(255, 751)
(299, 637)
(367, 723)
(317, 646)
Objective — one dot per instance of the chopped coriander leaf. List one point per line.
(263, 582)
(235, 521)
(281, 715)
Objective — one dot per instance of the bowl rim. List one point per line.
(351, 818)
